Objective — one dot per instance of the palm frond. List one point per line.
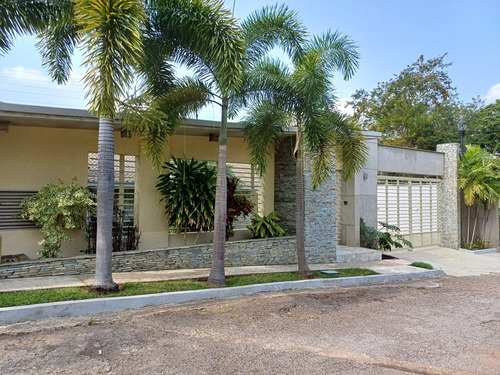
(273, 26)
(57, 41)
(265, 125)
(112, 36)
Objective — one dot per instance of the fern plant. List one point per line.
(266, 226)
(386, 240)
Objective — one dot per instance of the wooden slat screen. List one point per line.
(9, 208)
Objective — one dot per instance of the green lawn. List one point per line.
(132, 289)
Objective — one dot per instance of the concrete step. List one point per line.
(348, 254)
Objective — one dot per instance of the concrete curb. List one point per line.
(492, 250)
(104, 305)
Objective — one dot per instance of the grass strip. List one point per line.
(30, 297)
(427, 266)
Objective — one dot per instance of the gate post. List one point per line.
(450, 197)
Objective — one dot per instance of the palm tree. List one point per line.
(302, 98)
(110, 32)
(220, 59)
(479, 179)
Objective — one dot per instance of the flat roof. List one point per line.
(68, 118)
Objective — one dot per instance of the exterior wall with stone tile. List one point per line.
(284, 184)
(450, 203)
(238, 253)
(320, 224)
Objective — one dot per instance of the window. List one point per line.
(9, 209)
(124, 166)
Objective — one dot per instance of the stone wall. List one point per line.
(450, 204)
(284, 184)
(320, 224)
(272, 251)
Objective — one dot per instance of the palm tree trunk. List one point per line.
(105, 194)
(474, 228)
(486, 216)
(303, 268)
(217, 276)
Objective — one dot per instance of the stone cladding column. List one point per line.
(284, 184)
(319, 218)
(450, 197)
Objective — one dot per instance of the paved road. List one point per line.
(442, 326)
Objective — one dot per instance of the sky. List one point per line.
(390, 35)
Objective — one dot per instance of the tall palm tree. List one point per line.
(110, 31)
(302, 98)
(220, 60)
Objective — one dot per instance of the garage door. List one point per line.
(412, 204)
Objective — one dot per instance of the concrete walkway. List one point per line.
(453, 262)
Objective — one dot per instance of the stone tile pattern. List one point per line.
(319, 215)
(274, 251)
(450, 204)
(284, 184)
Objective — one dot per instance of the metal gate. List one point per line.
(412, 204)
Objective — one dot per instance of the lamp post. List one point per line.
(462, 125)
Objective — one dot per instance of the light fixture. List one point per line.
(462, 125)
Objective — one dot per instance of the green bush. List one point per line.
(56, 208)
(374, 239)
(267, 226)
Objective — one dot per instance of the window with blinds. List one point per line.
(125, 175)
(9, 209)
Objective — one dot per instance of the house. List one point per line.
(41, 145)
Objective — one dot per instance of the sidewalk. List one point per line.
(453, 262)
(48, 282)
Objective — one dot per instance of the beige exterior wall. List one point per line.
(31, 157)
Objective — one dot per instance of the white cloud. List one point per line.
(34, 86)
(342, 106)
(492, 94)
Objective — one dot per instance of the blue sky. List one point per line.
(390, 34)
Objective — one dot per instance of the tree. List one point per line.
(303, 98)
(219, 52)
(417, 108)
(483, 126)
(479, 179)
(110, 32)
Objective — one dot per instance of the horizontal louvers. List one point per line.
(9, 209)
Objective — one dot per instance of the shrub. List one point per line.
(56, 208)
(267, 226)
(374, 239)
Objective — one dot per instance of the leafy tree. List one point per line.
(56, 208)
(483, 126)
(219, 52)
(302, 98)
(417, 108)
(479, 179)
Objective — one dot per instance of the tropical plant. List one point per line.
(56, 208)
(209, 41)
(237, 205)
(266, 226)
(382, 240)
(479, 179)
(302, 98)
(188, 190)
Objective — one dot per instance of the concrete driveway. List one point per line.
(453, 262)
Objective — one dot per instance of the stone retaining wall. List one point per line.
(238, 253)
